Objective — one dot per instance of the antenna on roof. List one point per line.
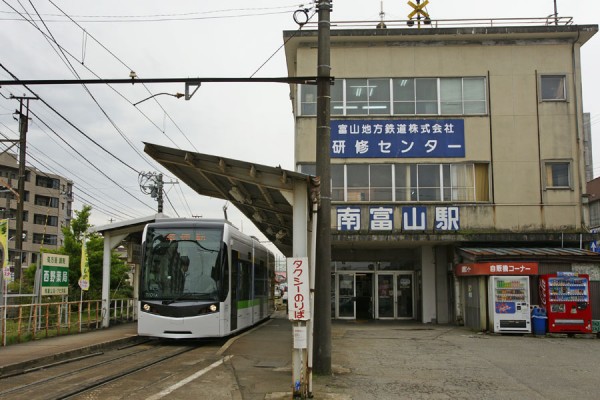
(381, 24)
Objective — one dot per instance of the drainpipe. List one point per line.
(580, 139)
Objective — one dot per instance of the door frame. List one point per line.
(337, 294)
(394, 275)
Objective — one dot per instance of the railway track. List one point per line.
(75, 377)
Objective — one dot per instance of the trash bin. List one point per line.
(538, 321)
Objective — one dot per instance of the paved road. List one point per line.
(392, 361)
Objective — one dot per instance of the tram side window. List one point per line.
(245, 280)
(260, 280)
(224, 283)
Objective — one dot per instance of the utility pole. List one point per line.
(152, 183)
(23, 126)
(322, 317)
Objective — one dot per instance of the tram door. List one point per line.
(346, 305)
(395, 295)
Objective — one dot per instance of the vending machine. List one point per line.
(509, 304)
(565, 296)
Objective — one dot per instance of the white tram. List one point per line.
(202, 278)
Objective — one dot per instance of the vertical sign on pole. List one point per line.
(298, 289)
(298, 276)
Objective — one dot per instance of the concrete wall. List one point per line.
(516, 137)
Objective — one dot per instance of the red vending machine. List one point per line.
(566, 298)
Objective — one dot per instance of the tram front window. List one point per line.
(181, 264)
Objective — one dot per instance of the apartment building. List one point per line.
(47, 207)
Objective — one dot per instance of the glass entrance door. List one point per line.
(395, 295)
(404, 295)
(346, 296)
(385, 296)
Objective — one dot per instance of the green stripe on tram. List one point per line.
(248, 303)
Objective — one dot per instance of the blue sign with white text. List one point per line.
(398, 138)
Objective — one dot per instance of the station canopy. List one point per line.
(263, 194)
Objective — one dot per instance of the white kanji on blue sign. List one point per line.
(348, 218)
(381, 218)
(447, 219)
(414, 218)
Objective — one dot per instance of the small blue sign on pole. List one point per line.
(594, 247)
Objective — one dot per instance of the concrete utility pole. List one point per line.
(23, 126)
(322, 317)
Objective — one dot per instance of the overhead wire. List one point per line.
(60, 48)
(146, 19)
(42, 173)
(89, 162)
(80, 186)
(285, 42)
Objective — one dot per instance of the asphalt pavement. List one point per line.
(376, 360)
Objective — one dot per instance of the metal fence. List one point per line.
(25, 322)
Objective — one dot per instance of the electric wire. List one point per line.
(69, 66)
(112, 122)
(69, 122)
(52, 170)
(40, 172)
(284, 43)
(131, 69)
(79, 185)
(89, 162)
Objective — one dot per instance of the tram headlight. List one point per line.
(213, 308)
(146, 307)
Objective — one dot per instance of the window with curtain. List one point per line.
(462, 182)
(553, 87)
(558, 174)
(467, 182)
(308, 100)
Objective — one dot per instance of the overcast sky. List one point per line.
(179, 39)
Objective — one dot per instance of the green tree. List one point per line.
(95, 247)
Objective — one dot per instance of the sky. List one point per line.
(94, 136)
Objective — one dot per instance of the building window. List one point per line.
(367, 96)
(380, 182)
(46, 220)
(467, 182)
(553, 87)
(357, 182)
(558, 174)
(41, 238)
(308, 100)
(337, 182)
(44, 181)
(401, 96)
(46, 201)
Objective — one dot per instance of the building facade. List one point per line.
(445, 140)
(47, 208)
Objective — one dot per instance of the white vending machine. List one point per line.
(509, 304)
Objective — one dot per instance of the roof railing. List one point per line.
(448, 23)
